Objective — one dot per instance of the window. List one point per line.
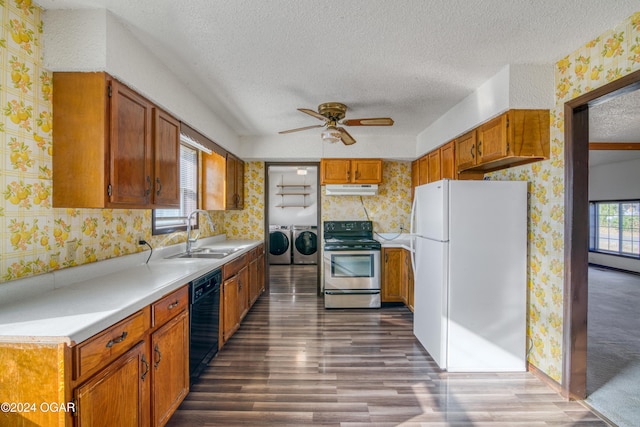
(615, 227)
(169, 220)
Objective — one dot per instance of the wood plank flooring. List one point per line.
(293, 363)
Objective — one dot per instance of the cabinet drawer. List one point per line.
(232, 267)
(169, 306)
(101, 349)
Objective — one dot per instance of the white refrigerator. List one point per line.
(469, 243)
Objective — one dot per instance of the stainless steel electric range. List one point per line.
(351, 265)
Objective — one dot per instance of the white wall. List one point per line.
(94, 40)
(515, 86)
(615, 181)
(308, 146)
(292, 215)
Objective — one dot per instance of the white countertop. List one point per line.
(77, 311)
(394, 240)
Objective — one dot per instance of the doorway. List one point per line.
(576, 229)
(292, 216)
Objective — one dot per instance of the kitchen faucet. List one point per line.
(191, 240)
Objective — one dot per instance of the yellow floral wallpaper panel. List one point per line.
(388, 210)
(34, 237)
(608, 57)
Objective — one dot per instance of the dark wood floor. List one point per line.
(294, 363)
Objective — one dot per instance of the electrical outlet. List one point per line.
(71, 247)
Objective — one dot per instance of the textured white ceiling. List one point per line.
(255, 61)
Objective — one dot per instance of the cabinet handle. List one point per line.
(146, 368)
(156, 349)
(473, 151)
(173, 305)
(148, 191)
(479, 148)
(348, 174)
(158, 186)
(117, 340)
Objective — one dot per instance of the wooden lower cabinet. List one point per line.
(256, 274)
(407, 282)
(397, 276)
(392, 264)
(170, 368)
(119, 394)
(146, 384)
(230, 310)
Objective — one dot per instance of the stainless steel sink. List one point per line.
(214, 253)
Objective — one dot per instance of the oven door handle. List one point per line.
(352, 291)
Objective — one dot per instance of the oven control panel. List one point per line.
(347, 226)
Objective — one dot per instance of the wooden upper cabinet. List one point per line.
(234, 183)
(448, 161)
(350, 171)
(214, 168)
(129, 148)
(514, 138)
(335, 171)
(367, 171)
(491, 140)
(113, 148)
(166, 148)
(434, 165)
(466, 150)
(423, 163)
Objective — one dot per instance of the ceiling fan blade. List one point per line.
(379, 121)
(347, 139)
(299, 129)
(312, 113)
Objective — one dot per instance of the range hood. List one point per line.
(351, 189)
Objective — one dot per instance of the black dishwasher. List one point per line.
(204, 321)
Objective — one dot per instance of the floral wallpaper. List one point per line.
(612, 55)
(388, 210)
(249, 223)
(34, 237)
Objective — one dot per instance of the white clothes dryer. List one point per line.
(279, 244)
(305, 244)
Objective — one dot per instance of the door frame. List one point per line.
(266, 215)
(576, 229)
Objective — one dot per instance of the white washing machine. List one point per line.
(280, 244)
(305, 244)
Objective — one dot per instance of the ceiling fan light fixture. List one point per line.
(331, 135)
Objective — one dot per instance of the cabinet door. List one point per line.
(213, 181)
(118, 395)
(415, 176)
(466, 150)
(170, 371)
(335, 171)
(239, 184)
(166, 151)
(230, 314)
(448, 161)
(392, 275)
(492, 140)
(367, 171)
(260, 270)
(253, 281)
(129, 148)
(423, 166)
(434, 166)
(407, 282)
(234, 198)
(243, 292)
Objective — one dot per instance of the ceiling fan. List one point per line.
(332, 113)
